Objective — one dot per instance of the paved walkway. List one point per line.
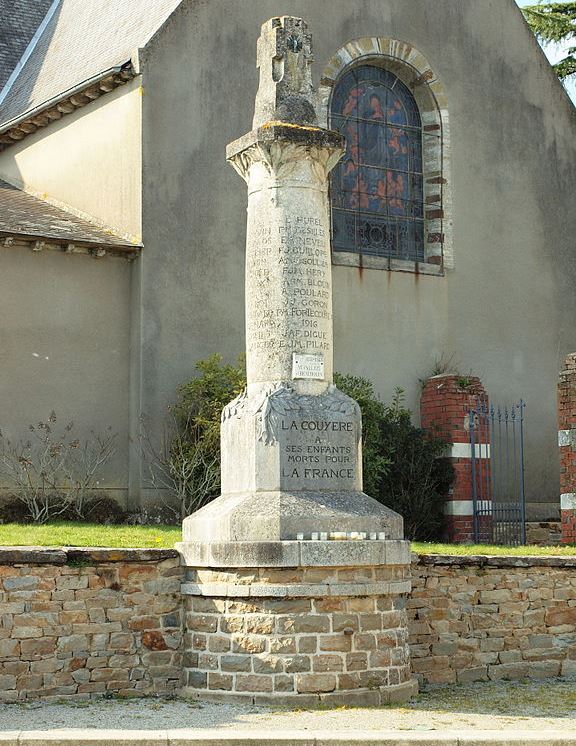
(530, 707)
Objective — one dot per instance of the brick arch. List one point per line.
(414, 70)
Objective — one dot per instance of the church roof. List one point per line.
(27, 218)
(82, 41)
(20, 19)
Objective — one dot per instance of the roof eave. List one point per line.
(80, 95)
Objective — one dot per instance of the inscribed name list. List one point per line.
(289, 286)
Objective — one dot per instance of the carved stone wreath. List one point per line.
(281, 400)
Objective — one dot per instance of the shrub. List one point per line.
(375, 459)
(417, 478)
(402, 464)
(52, 472)
(185, 462)
(104, 510)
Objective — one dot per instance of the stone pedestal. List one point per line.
(298, 623)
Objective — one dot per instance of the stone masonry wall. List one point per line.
(487, 618)
(302, 633)
(79, 623)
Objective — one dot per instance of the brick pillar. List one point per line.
(567, 448)
(445, 405)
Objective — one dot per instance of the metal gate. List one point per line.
(497, 452)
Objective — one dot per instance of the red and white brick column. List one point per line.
(445, 407)
(567, 448)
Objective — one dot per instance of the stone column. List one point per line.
(297, 579)
(445, 406)
(567, 448)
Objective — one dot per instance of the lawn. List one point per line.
(68, 533)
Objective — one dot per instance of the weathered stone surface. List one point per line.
(473, 618)
(291, 443)
(61, 638)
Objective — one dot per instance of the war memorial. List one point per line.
(297, 560)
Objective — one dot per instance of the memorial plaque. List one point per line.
(307, 366)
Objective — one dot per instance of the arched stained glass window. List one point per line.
(377, 188)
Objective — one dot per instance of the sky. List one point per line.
(555, 52)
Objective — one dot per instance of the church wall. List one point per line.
(506, 310)
(88, 162)
(64, 347)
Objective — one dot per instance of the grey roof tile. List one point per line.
(19, 20)
(83, 38)
(21, 214)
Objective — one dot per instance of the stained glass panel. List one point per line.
(376, 189)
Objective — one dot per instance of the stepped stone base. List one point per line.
(300, 635)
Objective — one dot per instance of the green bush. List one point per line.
(417, 479)
(401, 464)
(184, 463)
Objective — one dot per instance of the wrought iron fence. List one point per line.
(498, 489)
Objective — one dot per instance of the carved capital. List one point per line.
(281, 156)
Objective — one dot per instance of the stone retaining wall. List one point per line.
(75, 623)
(83, 622)
(481, 618)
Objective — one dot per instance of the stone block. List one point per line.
(307, 644)
(337, 643)
(315, 683)
(478, 673)
(356, 661)
(218, 644)
(253, 683)
(259, 625)
(312, 623)
(235, 663)
(326, 663)
(544, 669)
(297, 664)
(199, 623)
(247, 644)
(73, 643)
(341, 622)
(283, 683)
(197, 679)
(9, 648)
(508, 671)
(220, 681)
(268, 664)
(283, 645)
(557, 615)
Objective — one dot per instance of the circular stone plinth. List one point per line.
(298, 635)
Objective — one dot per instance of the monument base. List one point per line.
(302, 623)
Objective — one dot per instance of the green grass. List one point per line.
(73, 534)
(69, 533)
(469, 549)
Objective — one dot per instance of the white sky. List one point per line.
(555, 52)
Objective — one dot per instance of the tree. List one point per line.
(553, 23)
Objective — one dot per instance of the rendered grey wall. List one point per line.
(506, 311)
(64, 346)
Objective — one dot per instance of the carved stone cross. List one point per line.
(285, 92)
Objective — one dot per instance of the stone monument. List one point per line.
(296, 578)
